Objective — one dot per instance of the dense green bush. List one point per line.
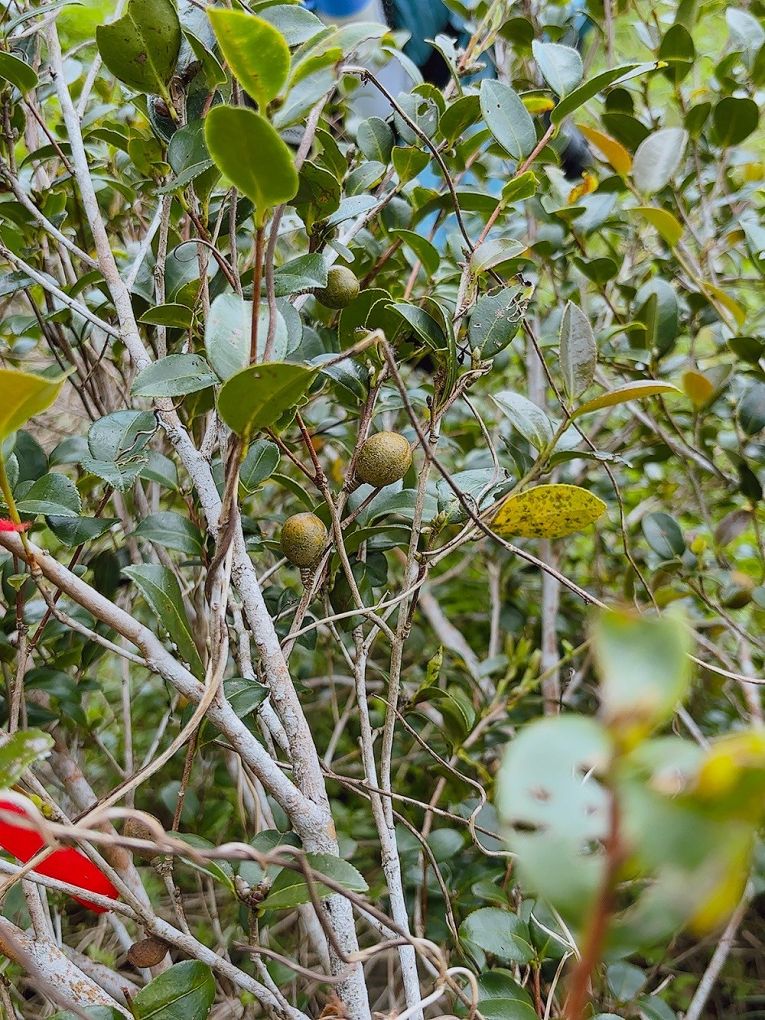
(488, 740)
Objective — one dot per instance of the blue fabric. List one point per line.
(337, 8)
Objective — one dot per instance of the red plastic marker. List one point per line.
(10, 526)
(66, 865)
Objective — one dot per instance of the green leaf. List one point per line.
(678, 51)
(424, 251)
(141, 48)
(252, 155)
(423, 324)
(256, 397)
(19, 751)
(751, 409)
(500, 933)
(644, 670)
(300, 275)
(529, 419)
(495, 321)
(625, 980)
(658, 309)
(560, 66)
(581, 95)
(290, 889)
(54, 493)
(211, 68)
(174, 315)
(184, 992)
(578, 350)
(734, 119)
(622, 394)
(548, 511)
(296, 24)
(409, 161)
(657, 159)
(554, 811)
(227, 334)
(160, 588)
(507, 118)
(73, 531)
(260, 463)
(244, 695)
(92, 1013)
(22, 396)
(375, 139)
(17, 72)
(663, 534)
(173, 531)
(174, 376)
(256, 52)
(493, 253)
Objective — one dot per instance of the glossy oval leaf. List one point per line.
(499, 932)
(663, 534)
(255, 50)
(507, 118)
(578, 350)
(184, 992)
(172, 531)
(174, 376)
(548, 511)
(591, 88)
(22, 396)
(160, 588)
(657, 158)
(529, 419)
(258, 396)
(290, 888)
(252, 155)
(141, 48)
(17, 72)
(734, 119)
(560, 66)
(622, 394)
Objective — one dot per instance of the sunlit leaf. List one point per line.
(548, 511)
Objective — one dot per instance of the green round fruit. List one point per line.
(383, 459)
(303, 538)
(342, 287)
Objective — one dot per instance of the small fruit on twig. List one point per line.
(147, 952)
(342, 287)
(383, 459)
(303, 538)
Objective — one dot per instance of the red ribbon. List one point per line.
(67, 865)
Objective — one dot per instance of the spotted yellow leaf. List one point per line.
(547, 511)
(612, 151)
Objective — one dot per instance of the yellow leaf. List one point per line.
(630, 391)
(548, 511)
(720, 883)
(588, 185)
(612, 151)
(538, 104)
(721, 296)
(697, 387)
(668, 226)
(22, 396)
